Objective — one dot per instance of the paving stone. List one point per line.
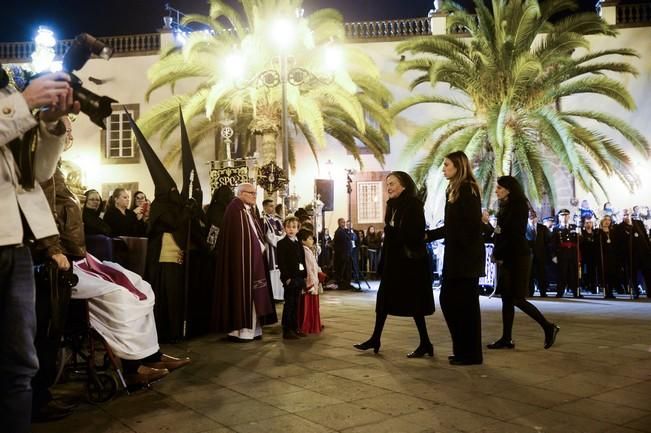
(596, 379)
(242, 412)
(301, 400)
(342, 416)
(282, 424)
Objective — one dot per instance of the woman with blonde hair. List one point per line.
(464, 259)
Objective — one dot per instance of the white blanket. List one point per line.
(125, 322)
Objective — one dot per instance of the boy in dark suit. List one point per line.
(291, 262)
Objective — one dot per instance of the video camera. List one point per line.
(96, 107)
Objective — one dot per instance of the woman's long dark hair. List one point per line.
(133, 199)
(516, 192)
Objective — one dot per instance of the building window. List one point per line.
(369, 202)
(117, 145)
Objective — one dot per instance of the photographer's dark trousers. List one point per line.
(52, 301)
(18, 362)
(460, 305)
(290, 307)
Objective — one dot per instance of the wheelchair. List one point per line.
(69, 324)
(84, 353)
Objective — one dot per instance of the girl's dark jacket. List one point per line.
(465, 255)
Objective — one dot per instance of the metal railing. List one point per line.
(634, 14)
(122, 46)
(387, 29)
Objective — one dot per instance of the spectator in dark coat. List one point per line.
(122, 220)
(405, 286)
(634, 249)
(343, 249)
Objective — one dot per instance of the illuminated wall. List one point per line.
(127, 81)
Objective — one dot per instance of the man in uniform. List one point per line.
(565, 243)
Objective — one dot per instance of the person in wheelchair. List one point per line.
(120, 303)
(121, 310)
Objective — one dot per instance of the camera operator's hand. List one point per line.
(52, 91)
(62, 261)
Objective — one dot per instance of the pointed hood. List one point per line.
(188, 166)
(163, 182)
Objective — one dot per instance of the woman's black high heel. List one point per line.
(501, 344)
(368, 344)
(422, 350)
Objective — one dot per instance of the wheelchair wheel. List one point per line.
(101, 390)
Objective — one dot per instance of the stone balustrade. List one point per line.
(633, 15)
(627, 15)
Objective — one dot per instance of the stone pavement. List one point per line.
(597, 378)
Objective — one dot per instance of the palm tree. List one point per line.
(236, 69)
(507, 80)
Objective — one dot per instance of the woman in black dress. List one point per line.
(405, 286)
(464, 260)
(513, 258)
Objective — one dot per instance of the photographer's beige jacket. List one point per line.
(15, 120)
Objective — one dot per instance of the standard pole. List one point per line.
(285, 150)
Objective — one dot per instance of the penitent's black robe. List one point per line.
(169, 215)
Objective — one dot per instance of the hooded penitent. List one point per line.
(189, 166)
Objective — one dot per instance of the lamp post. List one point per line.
(283, 72)
(284, 129)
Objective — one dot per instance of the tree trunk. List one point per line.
(269, 143)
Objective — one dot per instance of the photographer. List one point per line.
(30, 145)
(54, 280)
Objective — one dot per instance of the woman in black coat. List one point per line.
(464, 260)
(513, 258)
(405, 286)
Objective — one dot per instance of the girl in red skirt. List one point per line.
(310, 318)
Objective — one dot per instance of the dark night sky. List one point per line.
(119, 17)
